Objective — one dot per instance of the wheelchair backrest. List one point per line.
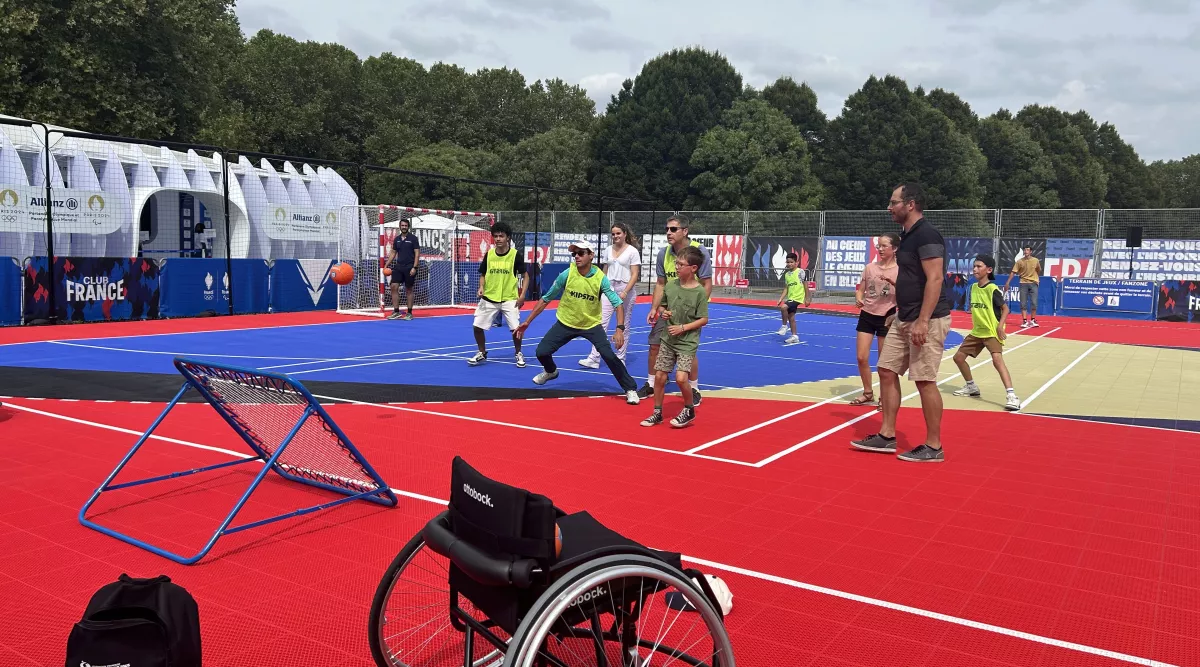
(504, 521)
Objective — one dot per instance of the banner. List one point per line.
(727, 259)
(1157, 259)
(1179, 301)
(1013, 249)
(541, 243)
(23, 209)
(961, 253)
(303, 284)
(285, 222)
(92, 289)
(1109, 296)
(766, 256)
(1069, 258)
(10, 291)
(193, 287)
(1047, 299)
(843, 259)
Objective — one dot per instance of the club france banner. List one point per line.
(92, 289)
(193, 287)
(1179, 301)
(10, 291)
(1100, 298)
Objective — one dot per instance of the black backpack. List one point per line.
(139, 623)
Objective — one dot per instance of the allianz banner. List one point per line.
(92, 289)
(303, 284)
(193, 286)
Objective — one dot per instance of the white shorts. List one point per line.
(486, 311)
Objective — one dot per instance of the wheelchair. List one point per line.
(488, 583)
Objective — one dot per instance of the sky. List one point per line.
(1134, 63)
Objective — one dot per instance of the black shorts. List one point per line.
(401, 274)
(876, 325)
(792, 306)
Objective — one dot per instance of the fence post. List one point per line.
(228, 226)
(52, 316)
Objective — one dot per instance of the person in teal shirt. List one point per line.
(579, 290)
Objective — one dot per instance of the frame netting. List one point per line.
(452, 243)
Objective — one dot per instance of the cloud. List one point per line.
(426, 46)
(601, 87)
(567, 11)
(468, 14)
(258, 17)
(362, 43)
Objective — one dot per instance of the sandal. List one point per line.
(867, 398)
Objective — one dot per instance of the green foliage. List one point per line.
(1079, 177)
(957, 110)
(799, 103)
(888, 134)
(754, 159)
(1018, 174)
(556, 159)
(1130, 182)
(1180, 181)
(643, 147)
(144, 68)
(443, 158)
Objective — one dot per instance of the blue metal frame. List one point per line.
(382, 494)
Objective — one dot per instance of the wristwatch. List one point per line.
(620, 327)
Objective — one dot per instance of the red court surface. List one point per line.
(1039, 542)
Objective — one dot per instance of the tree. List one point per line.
(128, 67)
(556, 159)
(643, 146)
(956, 109)
(887, 134)
(1180, 182)
(555, 103)
(292, 98)
(1130, 182)
(391, 93)
(1079, 176)
(1018, 173)
(754, 159)
(799, 103)
(447, 159)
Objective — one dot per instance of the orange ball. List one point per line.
(387, 271)
(342, 273)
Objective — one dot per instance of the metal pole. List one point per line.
(52, 300)
(228, 229)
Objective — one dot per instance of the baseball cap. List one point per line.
(581, 245)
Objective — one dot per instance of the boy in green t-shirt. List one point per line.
(685, 309)
(989, 311)
(794, 295)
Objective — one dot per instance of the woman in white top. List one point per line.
(621, 261)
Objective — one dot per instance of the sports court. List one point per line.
(1065, 534)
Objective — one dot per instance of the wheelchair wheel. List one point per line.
(410, 623)
(614, 612)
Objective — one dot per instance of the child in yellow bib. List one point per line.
(502, 285)
(579, 289)
(989, 312)
(794, 295)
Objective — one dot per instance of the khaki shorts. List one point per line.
(668, 358)
(922, 363)
(972, 346)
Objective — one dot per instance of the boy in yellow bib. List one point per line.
(502, 285)
(989, 310)
(579, 290)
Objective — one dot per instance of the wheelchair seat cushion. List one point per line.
(582, 534)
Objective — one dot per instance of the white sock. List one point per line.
(650, 381)
(695, 384)
(1011, 390)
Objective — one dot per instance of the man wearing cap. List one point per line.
(579, 290)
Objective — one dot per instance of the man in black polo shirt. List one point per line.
(917, 338)
(403, 259)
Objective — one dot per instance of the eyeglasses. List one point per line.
(674, 229)
(579, 253)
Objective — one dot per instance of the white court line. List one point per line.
(847, 424)
(176, 354)
(1056, 378)
(789, 415)
(761, 576)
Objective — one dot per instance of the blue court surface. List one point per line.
(739, 349)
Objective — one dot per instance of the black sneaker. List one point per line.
(654, 419)
(923, 454)
(685, 418)
(645, 391)
(696, 398)
(875, 443)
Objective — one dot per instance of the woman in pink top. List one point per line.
(876, 296)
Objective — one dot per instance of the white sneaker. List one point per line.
(792, 340)
(968, 390)
(520, 360)
(1013, 404)
(479, 358)
(631, 397)
(544, 377)
(782, 330)
(588, 363)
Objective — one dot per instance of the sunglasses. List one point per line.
(579, 253)
(674, 229)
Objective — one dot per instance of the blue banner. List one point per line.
(1047, 298)
(92, 289)
(1106, 297)
(843, 259)
(302, 284)
(961, 252)
(10, 291)
(193, 287)
(1179, 301)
